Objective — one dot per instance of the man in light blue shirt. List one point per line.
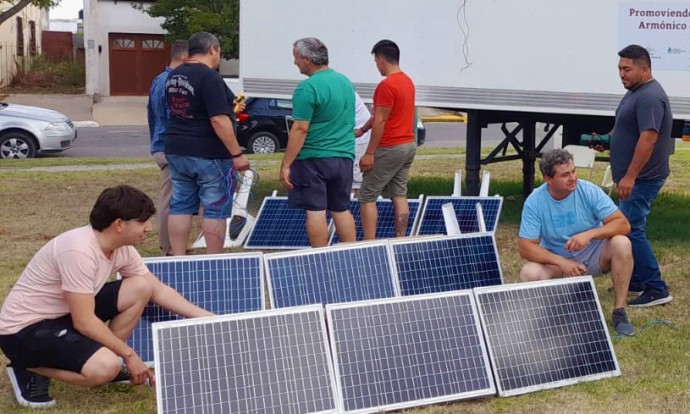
(158, 120)
(572, 228)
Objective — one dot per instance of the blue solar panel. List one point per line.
(385, 224)
(440, 264)
(274, 361)
(222, 284)
(391, 354)
(343, 273)
(545, 334)
(279, 227)
(465, 208)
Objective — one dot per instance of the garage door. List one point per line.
(135, 59)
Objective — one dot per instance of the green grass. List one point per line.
(37, 205)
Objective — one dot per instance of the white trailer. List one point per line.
(501, 61)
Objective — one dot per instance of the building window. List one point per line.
(153, 44)
(20, 37)
(32, 38)
(123, 43)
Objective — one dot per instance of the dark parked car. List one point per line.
(263, 126)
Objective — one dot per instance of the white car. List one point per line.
(26, 131)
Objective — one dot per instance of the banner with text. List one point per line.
(661, 27)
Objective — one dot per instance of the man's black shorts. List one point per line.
(54, 343)
(321, 184)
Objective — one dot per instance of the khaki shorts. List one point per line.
(390, 173)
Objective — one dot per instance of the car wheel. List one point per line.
(263, 143)
(17, 145)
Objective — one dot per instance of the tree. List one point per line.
(18, 6)
(184, 17)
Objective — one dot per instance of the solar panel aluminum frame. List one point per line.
(198, 258)
(393, 243)
(489, 391)
(257, 224)
(419, 202)
(478, 292)
(324, 251)
(160, 326)
(470, 199)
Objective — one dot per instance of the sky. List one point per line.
(67, 9)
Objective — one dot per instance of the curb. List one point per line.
(85, 124)
(444, 118)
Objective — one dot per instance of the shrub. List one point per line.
(42, 75)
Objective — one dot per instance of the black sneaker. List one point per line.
(635, 289)
(651, 297)
(622, 323)
(31, 390)
(123, 376)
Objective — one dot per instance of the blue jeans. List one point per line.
(200, 181)
(636, 209)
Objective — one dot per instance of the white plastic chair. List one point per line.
(583, 157)
(607, 181)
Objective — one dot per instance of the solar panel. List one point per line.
(274, 361)
(391, 354)
(545, 334)
(343, 273)
(385, 224)
(432, 222)
(222, 284)
(279, 227)
(444, 263)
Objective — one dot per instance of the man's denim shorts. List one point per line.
(200, 181)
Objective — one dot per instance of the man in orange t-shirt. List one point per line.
(386, 163)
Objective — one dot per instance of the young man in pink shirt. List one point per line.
(53, 322)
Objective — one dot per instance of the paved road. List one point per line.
(133, 141)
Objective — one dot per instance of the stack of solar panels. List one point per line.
(387, 354)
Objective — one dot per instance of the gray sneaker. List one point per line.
(622, 323)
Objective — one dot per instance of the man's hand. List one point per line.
(358, 132)
(366, 163)
(285, 177)
(625, 187)
(572, 268)
(578, 242)
(138, 371)
(240, 163)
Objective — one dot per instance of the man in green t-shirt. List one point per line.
(317, 166)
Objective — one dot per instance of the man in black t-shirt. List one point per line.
(200, 145)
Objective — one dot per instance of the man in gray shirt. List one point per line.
(640, 145)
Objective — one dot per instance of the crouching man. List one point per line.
(572, 228)
(53, 322)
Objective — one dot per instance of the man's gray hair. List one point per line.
(549, 160)
(312, 48)
(201, 42)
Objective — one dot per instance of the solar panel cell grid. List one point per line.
(441, 264)
(330, 275)
(385, 223)
(222, 284)
(546, 335)
(395, 353)
(431, 221)
(268, 362)
(278, 227)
